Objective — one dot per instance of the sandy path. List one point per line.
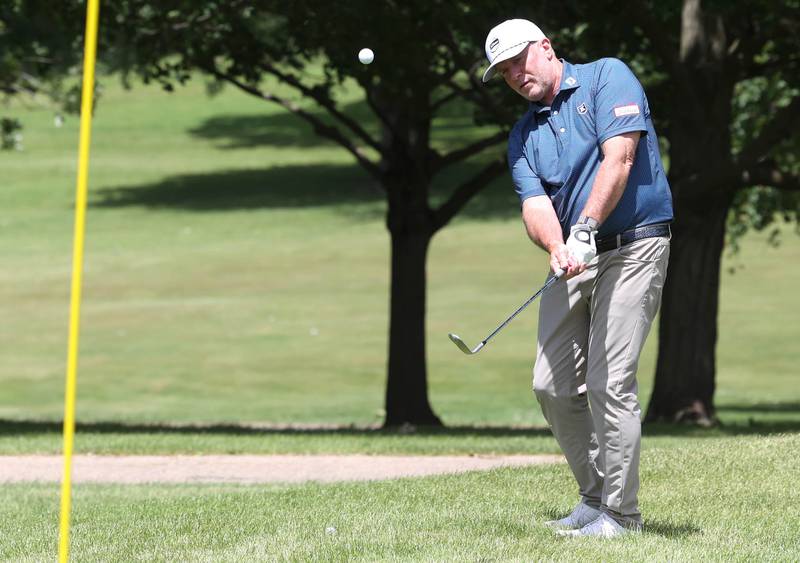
(249, 468)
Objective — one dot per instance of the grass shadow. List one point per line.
(243, 131)
(792, 406)
(749, 427)
(279, 129)
(21, 426)
(451, 130)
(9, 427)
(670, 529)
(277, 187)
(345, 187)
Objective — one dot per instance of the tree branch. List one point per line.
(783, 124)
(325, 102)
(772, 177)
(454, 93)
(442, 161)
(479, 93)
(466, 191)
(319, 126)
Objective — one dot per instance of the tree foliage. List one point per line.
(40, 49)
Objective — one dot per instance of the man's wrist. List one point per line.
(590, 222)
(553, 246)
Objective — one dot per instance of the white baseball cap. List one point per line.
(508, 40)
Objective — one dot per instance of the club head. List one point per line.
(463, 347)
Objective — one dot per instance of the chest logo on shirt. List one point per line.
(582, 109)
(630, 109)
(570, 81)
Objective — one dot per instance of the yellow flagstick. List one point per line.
(90, 49)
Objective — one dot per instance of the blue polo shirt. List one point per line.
(555, 150)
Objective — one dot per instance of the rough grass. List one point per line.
(724, 499)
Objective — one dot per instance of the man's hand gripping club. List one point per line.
(580, 249)
(544, 229)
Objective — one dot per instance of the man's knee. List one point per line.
(618, 399)
(546, 389)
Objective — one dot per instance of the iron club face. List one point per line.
(463, 347)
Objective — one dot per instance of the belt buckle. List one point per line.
(619, 240)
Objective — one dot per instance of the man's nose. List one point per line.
(517, 71)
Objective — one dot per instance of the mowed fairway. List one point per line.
(237, 274)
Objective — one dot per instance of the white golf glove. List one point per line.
(581, 243)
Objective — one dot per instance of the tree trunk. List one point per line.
(407, 386)
(686, 366)
(410, 224)
(684, 384)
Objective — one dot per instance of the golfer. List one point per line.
(585, 162)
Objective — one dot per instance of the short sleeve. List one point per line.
(526, 181)
(620, 102)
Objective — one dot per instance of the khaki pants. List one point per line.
(591, 331)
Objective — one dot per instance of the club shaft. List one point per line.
(549, 282)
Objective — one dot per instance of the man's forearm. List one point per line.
(612, 176)
(543, 228)
(541, 222)
(608, 187)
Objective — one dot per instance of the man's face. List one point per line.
(530, 73)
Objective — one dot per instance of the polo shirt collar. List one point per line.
(569, 81)
(569, 77)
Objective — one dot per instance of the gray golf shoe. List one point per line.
(580, 516)
(603, 527)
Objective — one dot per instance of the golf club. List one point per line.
(464, 348)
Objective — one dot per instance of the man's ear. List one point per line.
(548, 48)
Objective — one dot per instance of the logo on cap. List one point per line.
(493, 45)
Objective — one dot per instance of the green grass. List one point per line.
(700, 503)
(237, 272)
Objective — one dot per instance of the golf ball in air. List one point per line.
(366, 56)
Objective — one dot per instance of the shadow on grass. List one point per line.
(312, 184)
(669, 529)
(276, 187)
(344, 187)
(762, 407)
(255, 130)
(19, 427)
(284, 129)
(745, 428)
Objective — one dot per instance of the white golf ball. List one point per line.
(366, 56)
